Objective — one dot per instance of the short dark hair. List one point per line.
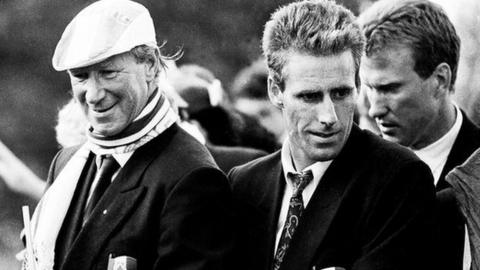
(421, 25)
(316, 27)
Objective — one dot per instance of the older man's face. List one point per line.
(318, 103)
(111, 93)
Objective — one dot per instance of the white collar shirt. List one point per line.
(435, 155)
(318, 169)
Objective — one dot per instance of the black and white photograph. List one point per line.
(240, 134)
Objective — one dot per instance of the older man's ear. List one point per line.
(151, 69)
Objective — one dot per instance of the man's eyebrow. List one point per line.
(105, 64)
(382, 86)
(101, 65)
(342, 88)
(387, 86)
(77, 70)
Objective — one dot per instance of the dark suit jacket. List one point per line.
(228, 157)
(450, 224)
(373, 209)
(169, 208)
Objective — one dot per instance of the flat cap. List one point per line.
(101, 30)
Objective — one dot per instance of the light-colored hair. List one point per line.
(145, 53)
(316, 27)
(421, 25)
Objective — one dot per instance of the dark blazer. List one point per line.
(169, 207)
(228, 157)
(450, 224)
(371, 210)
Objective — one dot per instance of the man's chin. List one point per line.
(391, 138)
(324, 154)
(105, 131)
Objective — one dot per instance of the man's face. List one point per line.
(401, 102)
(112, 93)
(318, 103)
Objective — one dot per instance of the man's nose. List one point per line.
(94, 91)
(327, 115)
(377, 102)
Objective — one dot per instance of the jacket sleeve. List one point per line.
(196, 223)
(52, 172)
(399, 229)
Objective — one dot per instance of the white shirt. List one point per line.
(435, 156)
(318, 169)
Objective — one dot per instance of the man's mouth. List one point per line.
(102, 109)
(386, 127)
(324, 135)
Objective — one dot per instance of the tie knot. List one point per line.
(300, 181)
(108, 164)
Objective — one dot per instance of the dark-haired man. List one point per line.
(334, 197)
(409, 73)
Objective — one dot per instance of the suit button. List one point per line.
(104, 212)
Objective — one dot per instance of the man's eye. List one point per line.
(388, 88)
(109, 74)
(310, 97)
(80, 76)
(341, 93)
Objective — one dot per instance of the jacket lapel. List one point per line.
(271, 202)
(99, 227)
(323, 206)
(467, 141)
(118, 201)
(263, 199)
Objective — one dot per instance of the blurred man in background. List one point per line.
(206, 117)
(250, 96)
(409, 73)
(140, 191)
(334, 196)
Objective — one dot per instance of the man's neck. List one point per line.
(445, 121)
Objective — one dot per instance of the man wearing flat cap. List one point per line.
(140, 193)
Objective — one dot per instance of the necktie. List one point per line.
(300, 181)
(107, 168)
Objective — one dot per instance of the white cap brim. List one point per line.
(101, 30)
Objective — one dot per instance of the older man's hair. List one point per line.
(419, 24)
(316, 27)
(144, 53)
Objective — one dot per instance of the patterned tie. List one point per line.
(107, 168)
(300, 181)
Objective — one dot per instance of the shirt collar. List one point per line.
(437, 152)
(120, 158)
(318, 168)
